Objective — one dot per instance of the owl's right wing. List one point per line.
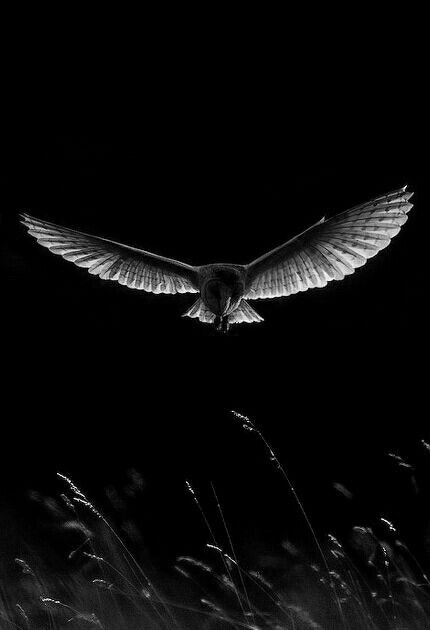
(328, 250)
(109, 260)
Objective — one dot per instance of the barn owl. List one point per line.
(328, 250)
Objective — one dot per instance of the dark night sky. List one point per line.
(205, 166)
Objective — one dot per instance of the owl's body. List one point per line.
(328, 250)
(221, 290)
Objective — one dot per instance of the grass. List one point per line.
(371, 581)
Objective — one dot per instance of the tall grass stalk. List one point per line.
(368, 583)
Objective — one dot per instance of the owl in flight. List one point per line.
(328, 250)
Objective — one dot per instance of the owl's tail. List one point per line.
(244, 314)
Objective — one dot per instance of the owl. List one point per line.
(328, 250)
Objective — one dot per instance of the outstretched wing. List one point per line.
(330, 249)
(132, 267)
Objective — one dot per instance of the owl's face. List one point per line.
(223, 292)
(218, 297)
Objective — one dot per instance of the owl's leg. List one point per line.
(225, 324)
(218, 323)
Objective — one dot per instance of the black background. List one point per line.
(208, 149)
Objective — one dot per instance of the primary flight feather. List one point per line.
(328, 250)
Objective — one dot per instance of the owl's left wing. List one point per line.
(328, 250)
(135, 268)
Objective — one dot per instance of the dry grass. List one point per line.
(368, 582)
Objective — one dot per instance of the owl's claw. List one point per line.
(222, 324)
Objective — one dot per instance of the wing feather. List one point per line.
(131, 267)
(330, 249)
